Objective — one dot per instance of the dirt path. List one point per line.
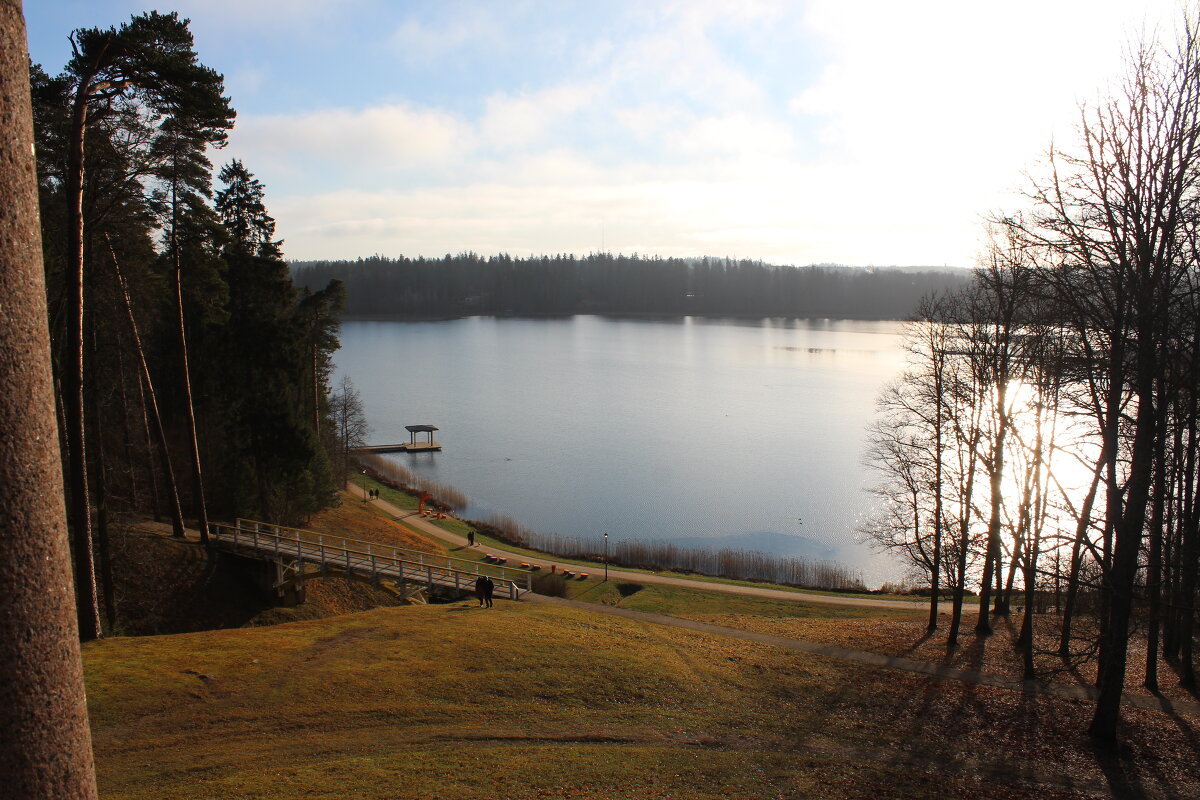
(424, 526)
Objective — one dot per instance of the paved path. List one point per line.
(423, 525)
(970, 677)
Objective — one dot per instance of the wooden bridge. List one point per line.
(299, 554)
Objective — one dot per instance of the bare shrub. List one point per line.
(746, 565)
(390, 473)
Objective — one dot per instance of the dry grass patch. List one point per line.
(527, 701)
(354, 519)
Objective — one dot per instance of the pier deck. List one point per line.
(403, 447)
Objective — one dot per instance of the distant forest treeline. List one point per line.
(602, 283)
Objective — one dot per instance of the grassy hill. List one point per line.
(530, 701)
(537, 701)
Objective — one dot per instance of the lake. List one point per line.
(738, 433)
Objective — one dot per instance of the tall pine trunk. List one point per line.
(147, 383)
(45, 747)
(78, 509)
(186, 382)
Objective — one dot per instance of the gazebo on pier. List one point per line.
(413, 445)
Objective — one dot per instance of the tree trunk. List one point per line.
(177, 527)
(938, 521)
(1114, 640)
(46, 749)
(1154, 565)
(1081, 529)
(316, 391)
(102, 541)
(991, 562)
(185, 377)
(78, 509)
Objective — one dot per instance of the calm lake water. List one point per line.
(740, 433)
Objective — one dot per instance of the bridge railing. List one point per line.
(367, 559)
(522, 577)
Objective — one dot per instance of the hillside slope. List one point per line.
(529, 701)
(166, 585)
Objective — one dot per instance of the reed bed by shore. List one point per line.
(389, 472)
(731, 563)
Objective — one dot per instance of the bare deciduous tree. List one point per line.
(350, 423)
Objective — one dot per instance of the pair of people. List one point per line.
(484, 589)
(372, 494)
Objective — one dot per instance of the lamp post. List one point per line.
(606, 558)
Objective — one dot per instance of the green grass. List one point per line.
(401, 500)
(689, 603)
(531, 701)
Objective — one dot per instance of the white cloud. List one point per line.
(919, 122)
(381, 138)
(521, 120)
(946, 104)
(216, 16)
(420, 42)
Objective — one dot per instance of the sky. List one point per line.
(868, 133)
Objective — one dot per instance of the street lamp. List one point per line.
(606, 558)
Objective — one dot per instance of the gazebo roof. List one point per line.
(420, 428)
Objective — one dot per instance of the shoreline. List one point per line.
(524, 549)
(630, 315)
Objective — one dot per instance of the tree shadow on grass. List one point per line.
(916, 645)
(1177, 667)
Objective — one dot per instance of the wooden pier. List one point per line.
(403, 447)
(411, 446)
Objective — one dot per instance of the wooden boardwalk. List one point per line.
(301, 553)
(403, 447)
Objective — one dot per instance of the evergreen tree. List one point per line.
(281, 472)
(148, 63)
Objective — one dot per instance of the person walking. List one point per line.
(481, 589)
(489, 588)
(471, 538)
